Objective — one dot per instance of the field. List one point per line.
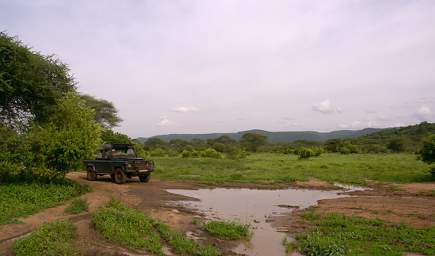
(384, 224)
(21, 199)
(280, 168)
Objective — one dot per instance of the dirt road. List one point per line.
(414, 209)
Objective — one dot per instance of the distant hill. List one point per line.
(274, 137)
(410, 136)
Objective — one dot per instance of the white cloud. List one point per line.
(164, 121)
(424, 110)
(185, 109)
(325, 107)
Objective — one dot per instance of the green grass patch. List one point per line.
(182, 245)
(335, 234)
(280, 168)
(229, 230)
(54, 238)
(23, 198)
(128, 227)
(77, 206)
(133, 228)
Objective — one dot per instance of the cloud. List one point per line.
(185, 109)
(164, 121)
(424, 110)
(325, 107)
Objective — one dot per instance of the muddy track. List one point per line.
(397, 205)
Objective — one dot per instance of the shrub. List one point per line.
(211, 153)
(59, 145)
(305, 153)
(157, 152)
(186, 154)
(427, 152)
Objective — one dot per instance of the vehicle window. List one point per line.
(121, 152)
(99, 154)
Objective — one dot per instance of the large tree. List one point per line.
(30, 83)
(252, 141)
(105, 112)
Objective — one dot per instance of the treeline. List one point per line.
(46, 126)
(392, 140)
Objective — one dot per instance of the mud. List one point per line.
(257, 208)
(405, 204)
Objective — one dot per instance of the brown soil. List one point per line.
(411, 210)
(408, 206)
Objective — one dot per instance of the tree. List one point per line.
(152, 143)
(30, 83)
(333, 145)
(105, 112)
(396, 145)
(111, 137)
(427, 150)
(62, 142)
(252, 141)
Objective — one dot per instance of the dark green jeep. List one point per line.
(120, 162)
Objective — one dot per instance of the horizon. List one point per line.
(189, 67)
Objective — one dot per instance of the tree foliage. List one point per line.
(60, 144)
(30, 83)
(105, 112)
(427, 151)
(252, 141)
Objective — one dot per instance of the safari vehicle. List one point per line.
(120, 162)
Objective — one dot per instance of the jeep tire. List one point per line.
(119, 176)
(91, 174)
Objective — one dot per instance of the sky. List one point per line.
(231, 65)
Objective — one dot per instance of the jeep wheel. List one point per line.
(90, 174)
(145, 178)
(119, 176)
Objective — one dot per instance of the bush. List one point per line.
(427, 152)
(211, 153)
(157, 152)
(305, 153)
(59, 145)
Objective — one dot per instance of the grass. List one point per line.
(182, 245)
(335, 234)
(133, 228)
(229, 230)
(77, 206)
(280, 168)
(23, 198)
(54, 238)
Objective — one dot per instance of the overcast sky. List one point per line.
(222, 66)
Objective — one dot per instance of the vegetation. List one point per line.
(105, 112)
(253, 141)
(50, 239)
(427, 152)
(30, 83)
(25, 198)
(182, 245)
(133, 228)
(229, 230)
(280, 168)
(335, 234)
(77, 206)
(127, 226)
(401, 139)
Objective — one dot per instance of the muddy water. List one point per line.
(256, 208)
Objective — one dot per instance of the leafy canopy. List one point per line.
(30, 83)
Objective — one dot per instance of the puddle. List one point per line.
(257, 208)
